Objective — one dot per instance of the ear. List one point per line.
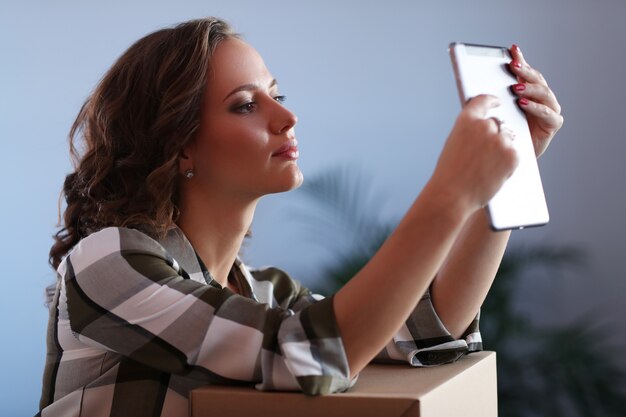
(185, 161)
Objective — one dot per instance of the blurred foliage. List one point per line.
(542, 371)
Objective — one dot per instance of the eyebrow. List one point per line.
(249, 87)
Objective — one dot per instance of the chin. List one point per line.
(299, 181)
(290, 181)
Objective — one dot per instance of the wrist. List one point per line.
(443, 202)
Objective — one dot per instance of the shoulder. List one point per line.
(112, 243)
(276, 277)
(287, 291)
(116, 239)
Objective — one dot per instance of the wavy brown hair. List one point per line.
(132, 129)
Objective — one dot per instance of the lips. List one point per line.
(288, 150)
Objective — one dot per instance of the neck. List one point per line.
(216, 228)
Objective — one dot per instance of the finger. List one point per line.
(538, 93)
(506, 137)
(507, 133)
(522, 69)
(479, 106)
(501, 127)
(548, 118)
(516, 53)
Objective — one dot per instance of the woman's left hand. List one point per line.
(537, 101)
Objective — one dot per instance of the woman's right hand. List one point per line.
(477, 158)
(474, 163)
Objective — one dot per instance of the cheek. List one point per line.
(232, 150)
(238, 142)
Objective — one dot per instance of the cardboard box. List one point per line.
(467, 387)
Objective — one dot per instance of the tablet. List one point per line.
(481, 69)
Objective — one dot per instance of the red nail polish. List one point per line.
(516, 64)
(523, 101)
(519, 87)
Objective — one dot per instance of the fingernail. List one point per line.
(519, 87)
(523, 101)
(516, 48)
(516, 64)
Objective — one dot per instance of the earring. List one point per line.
(189, 174)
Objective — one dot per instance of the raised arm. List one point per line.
(461, 286)
(464, 281)
(476, 160)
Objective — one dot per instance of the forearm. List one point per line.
(376, 302)
(475, 162)
(461, 286)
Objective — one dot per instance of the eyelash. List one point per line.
(249, 106)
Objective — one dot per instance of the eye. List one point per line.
(245, 108)
(280, 99)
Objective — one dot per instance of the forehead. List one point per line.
(235, 63)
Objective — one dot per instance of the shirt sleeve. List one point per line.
(423, 340)
(124, 293)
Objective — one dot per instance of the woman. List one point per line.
(182, 137)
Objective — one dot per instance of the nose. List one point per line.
(282, 119)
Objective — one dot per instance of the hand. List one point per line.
(537, 100)
(477, 158)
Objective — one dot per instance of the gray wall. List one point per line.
(372, 86)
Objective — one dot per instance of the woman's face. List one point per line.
(246, 145)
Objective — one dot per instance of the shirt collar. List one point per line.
(178, 246)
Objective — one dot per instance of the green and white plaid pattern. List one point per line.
(135, 324)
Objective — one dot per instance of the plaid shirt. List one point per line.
(136, 324)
